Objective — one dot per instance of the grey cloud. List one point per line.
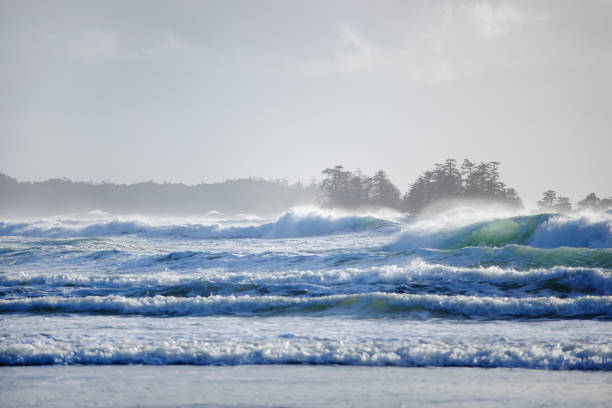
(191, 91)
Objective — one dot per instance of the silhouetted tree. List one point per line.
(470, 181)
(338, 187)
(513, 198)
(467, 168)
(446, 180)
(341, 188)
(605, 203)
(590, 202)
(551, 202)
(562, 204)
(420, 193)
(548, 200)
(382, 192)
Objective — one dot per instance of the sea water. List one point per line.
(466, 288)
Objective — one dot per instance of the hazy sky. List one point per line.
(204, 91)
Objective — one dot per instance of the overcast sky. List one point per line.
(196, 91)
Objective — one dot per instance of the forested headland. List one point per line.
(551, 202)
(446, 181)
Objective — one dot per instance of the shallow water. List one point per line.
(299, 386)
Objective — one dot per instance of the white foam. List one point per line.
(543, 356)
(581, 230)
(294, 223)
(491, 280)
(578, 230)
(235, 341)
(374, 304)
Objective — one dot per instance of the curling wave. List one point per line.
(539, 231)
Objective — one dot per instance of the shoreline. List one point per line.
(299, 385)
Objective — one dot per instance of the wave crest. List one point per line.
(293, 223)
(374, 304)
(539, 231)
(413, 278)
(366, 353)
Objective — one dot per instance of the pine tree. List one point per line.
(548, 200)
(590, 202)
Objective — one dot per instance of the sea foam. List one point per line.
(412, 277)
(374, 304)
(366, 353)
(291, 224)
(539, 231)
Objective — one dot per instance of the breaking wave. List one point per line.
(463, 288)
(360, 305)
(539, 231)
(366, 353)
(413, 278)
(290, 224)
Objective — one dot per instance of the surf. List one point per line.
(359, 305)
(537, 231)
(291, 224)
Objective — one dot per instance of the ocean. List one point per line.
(464, 288)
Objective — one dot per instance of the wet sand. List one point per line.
(299, 386)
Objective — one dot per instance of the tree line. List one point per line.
(339, 188)
(342, 188)
(61, 196)
(446, 180)
(551, 202)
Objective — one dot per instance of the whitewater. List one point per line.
(464, 288)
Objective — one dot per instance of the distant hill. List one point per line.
(60, 196)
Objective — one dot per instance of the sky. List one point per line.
(203, 91)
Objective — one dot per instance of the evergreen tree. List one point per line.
(382, 192)
(338, 186)
(548, 200)
(420, 193)
(605, 203)
(341, 188)
(493, 185)
(562, 204)
(512, 197)
(467, 168)
(470, 181)
(590, 202)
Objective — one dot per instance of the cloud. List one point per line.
(97, 46)
(94, 46)
(492, 21)
(354, 53)
(442, 72)
(455, 44)
(170, 43)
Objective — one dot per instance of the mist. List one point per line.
(63, 196)
(445, 187)
(203, 92)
